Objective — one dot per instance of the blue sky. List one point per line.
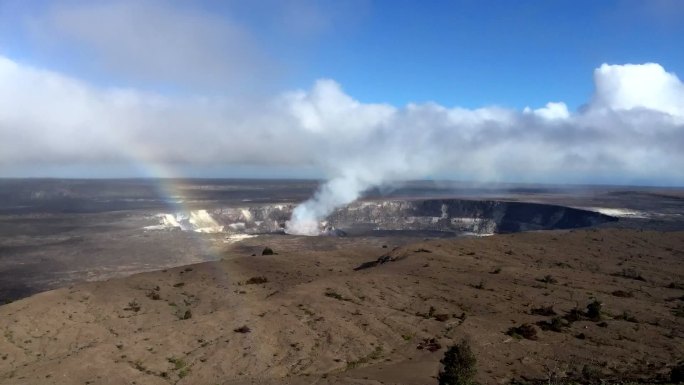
(512, 53)
(370, 91)
(465, 53)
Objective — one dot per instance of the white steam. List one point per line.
(631, 103)
(630, 131)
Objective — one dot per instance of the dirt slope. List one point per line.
(318, 320)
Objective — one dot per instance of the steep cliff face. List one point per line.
(459, 216)
(447, 215)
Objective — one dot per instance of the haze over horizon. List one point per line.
(361, 93)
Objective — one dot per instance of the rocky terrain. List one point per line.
(453, 216)
(586, 305)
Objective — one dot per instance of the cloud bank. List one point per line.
(631, 129)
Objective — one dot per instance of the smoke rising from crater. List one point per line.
(630, 131)
(634, 124)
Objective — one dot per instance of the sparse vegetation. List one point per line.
(183, 372)
(555, 324)
(429, 314)
(429, 344)
(242, 329)
(543, 310)
(187, 315)
(623, 294)
(256, 281)
(459, 365)
(548, 279)
(629, 273)
(177, 363)
(594, 310)
(677, 373)
(678, 311)
(627, 316)
(591, 373)
(527, 331)
(372, 356)
(575, 314)
(333, 294)
(138, 365)
(133, 306)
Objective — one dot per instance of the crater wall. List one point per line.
(445, 215)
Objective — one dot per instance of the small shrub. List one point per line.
(153, 295)
(675, 285)
(575, 314)
(139, 366)
(630, 273)
(177, 363)
(442, 317)
(677, 373)
(627, 316)
(242, 329)
(623, 294)
(133, 306)
(458, 365)
(187, 315)
(429, 344)
(591, 373)
(267, 251)
(526, 331)
(256, 281)
(678, 311)
(594, 310)
(480, 285)
(543, 310)
(333, 294)
(555, 324)
(429, 314)
(374, 355)
(179, 284)
(548, 279)
(495, 271)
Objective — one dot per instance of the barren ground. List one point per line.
(317, 320)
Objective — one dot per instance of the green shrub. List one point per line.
(459, 365)
(594, 310)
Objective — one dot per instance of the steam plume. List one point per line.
(628, 100)
(630, 131)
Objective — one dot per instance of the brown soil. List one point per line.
(309, 317)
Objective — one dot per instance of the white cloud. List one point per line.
(154, 41)
(631, 86)
(632, 129)
(551, 111)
